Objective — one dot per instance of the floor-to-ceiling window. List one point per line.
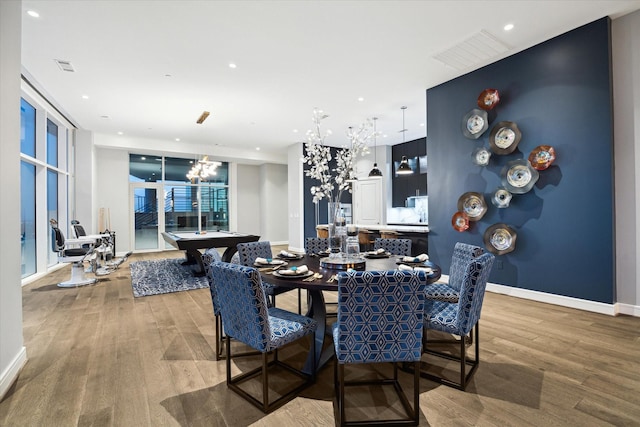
(44, 179)
(181, 205)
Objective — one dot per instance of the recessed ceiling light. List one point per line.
(120, 133)
(295, 131)
(177, 139)
(33, 13)
(232, 65)
(257, 148)
(421, 124)
(360, 99)
(508, 27)
(85, 96)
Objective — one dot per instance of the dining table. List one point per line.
(323, 279)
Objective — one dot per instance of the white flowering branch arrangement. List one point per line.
(332, 182)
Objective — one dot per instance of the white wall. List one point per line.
(626, 104)
(12, 351)
(111, 191)
(274, 203)
(248, 200)
(85, 168)
(295, 198)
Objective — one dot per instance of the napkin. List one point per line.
(294, 270)
(403, 267)
(377, 251)
(267, 261)
(419, 258)
(287, 254)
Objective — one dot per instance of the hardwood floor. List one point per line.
(100, 357)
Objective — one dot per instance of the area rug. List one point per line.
(163, 276)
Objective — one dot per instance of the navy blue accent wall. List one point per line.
(559, 93)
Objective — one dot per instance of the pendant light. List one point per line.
(403, 168)
(375, 171)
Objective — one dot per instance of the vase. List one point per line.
(337, 229)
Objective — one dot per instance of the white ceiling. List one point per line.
(152, 67)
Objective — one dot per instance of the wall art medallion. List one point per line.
(472, 204)
(500, 239)
(504, 137)
(460, 221)
(518, 176)
(475, 123)
(542, 156)
(488, 99)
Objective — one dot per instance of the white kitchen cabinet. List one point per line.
(368, 201)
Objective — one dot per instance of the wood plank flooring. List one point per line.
(100, 357)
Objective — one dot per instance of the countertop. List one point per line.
(406, 227)
(397, 227)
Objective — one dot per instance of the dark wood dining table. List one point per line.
(317, 307)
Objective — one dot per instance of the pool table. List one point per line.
(192, 242)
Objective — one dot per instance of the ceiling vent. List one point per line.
(477, 50)
(65, 65)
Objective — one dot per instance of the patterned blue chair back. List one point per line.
(394, 246)
(243, 304)
(210, 256)
(472, 292)
(380, 316)
(314, 245)
(459, 318)
(248, 252)
(462, 254)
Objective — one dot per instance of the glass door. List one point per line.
(146, 220)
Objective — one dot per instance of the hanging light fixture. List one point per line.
(375, 171)
(203, 169)
(404, 168)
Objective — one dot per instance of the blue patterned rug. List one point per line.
(162, 277)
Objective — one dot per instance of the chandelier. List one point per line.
(203, 169)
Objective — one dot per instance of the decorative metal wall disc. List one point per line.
(542, 156)
(475, 123)
(519, 177)
(500, 239)
(472, 204)
(504, 137)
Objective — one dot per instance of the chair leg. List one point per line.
(265, 382)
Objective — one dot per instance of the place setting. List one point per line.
(268, 264)
(378, 253)
(293, 272)
(285, 255)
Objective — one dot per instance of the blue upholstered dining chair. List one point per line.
(247, 254)
(461, 319)
(394, 246)
(209, 257)
(450, 292)
(248, 319)
(380, 319)
(315, 245)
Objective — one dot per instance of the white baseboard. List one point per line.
(628, 309)
(580, 304)
(561, 300)
(279, 243)
(10, 374)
